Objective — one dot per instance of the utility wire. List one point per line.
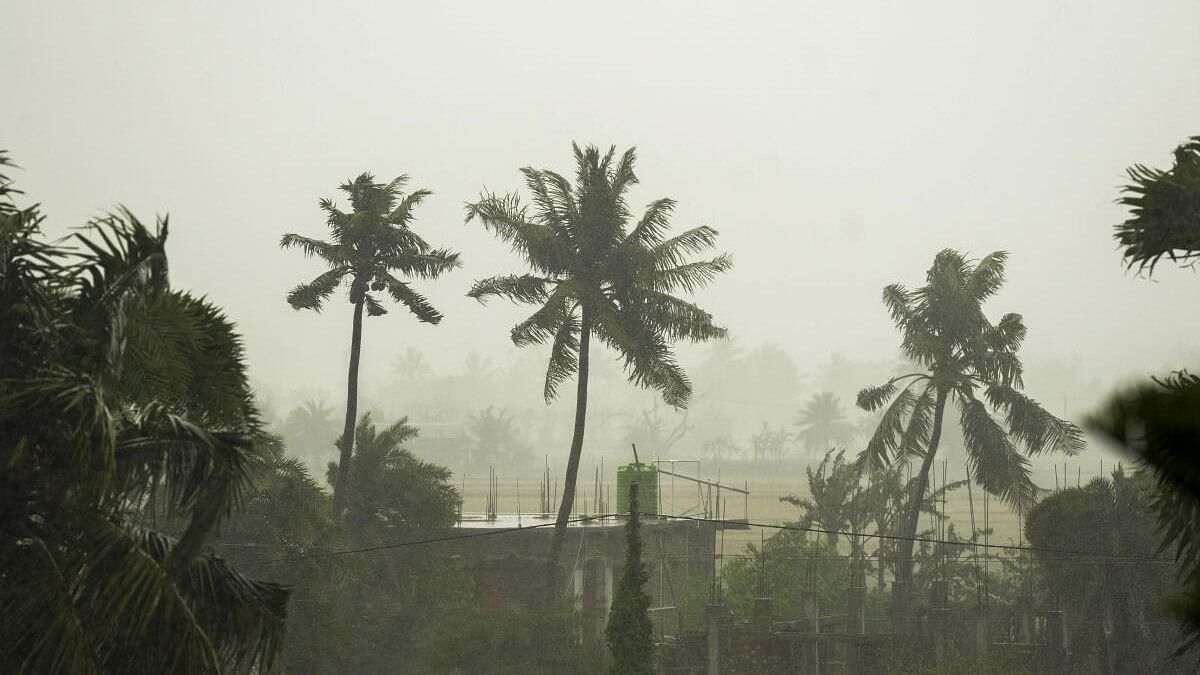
(418, 542)
(1062, 553)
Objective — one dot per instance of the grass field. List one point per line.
(766, 483)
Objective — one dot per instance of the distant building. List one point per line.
(509, 566)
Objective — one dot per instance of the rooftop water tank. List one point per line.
(646, 476)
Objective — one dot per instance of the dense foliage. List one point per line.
(1164, 211)
(119, 397)
(1110, 574)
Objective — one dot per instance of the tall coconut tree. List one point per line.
(823, 424)
(596, 272)
(965, 358)
(373, 249)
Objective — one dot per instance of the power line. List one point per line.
(928, 540)
(1058, 553)
(418, 542)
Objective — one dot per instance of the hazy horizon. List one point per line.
(836, 148)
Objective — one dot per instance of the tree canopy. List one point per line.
(119, 393)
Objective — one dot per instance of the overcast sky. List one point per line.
(836, 146)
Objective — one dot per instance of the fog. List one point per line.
(836, 147)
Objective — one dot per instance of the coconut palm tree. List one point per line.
(373, 248)
(116, 389)
(495, 437)
(593, 272)
(411, 365)
(963, 357)
(823, 425)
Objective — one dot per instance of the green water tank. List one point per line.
(646, 477)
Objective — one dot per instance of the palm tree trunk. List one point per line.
(568, 498)
(902, 588)
(346, 450)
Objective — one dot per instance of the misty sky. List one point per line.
(836, 146)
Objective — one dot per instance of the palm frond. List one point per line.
(995, 463)
(988, 275)
(1032, 424)
(897, 298)
(546, 321)
(314, 294)
(539, 245)
(654, 223)
(334, 254)
(374, 307)
(674, 251)
(415, 302)
(885, 442)
(678, 319)
(917, 433)
(690, 276)
(402, 214)
(428, 265)
(1164, 211)
(519, 288)
(564, 356)
(873, 398)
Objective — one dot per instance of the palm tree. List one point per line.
(411, 366)
(393, 490)
(962, 357)
(494, 436)
(372, 247)
(1165, 207)
(592, 274)
(116, 390)
(822, 424)
(836, 499)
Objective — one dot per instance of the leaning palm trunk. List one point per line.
(346, 447)
(568, 499)
(902, 588)
(964, 356)
(595, 273)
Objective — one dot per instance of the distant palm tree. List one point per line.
(309, 420)
(371, 245)
(494, 436)
(967, 359)
(823, 425)
(411, 365)
(591, 274)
